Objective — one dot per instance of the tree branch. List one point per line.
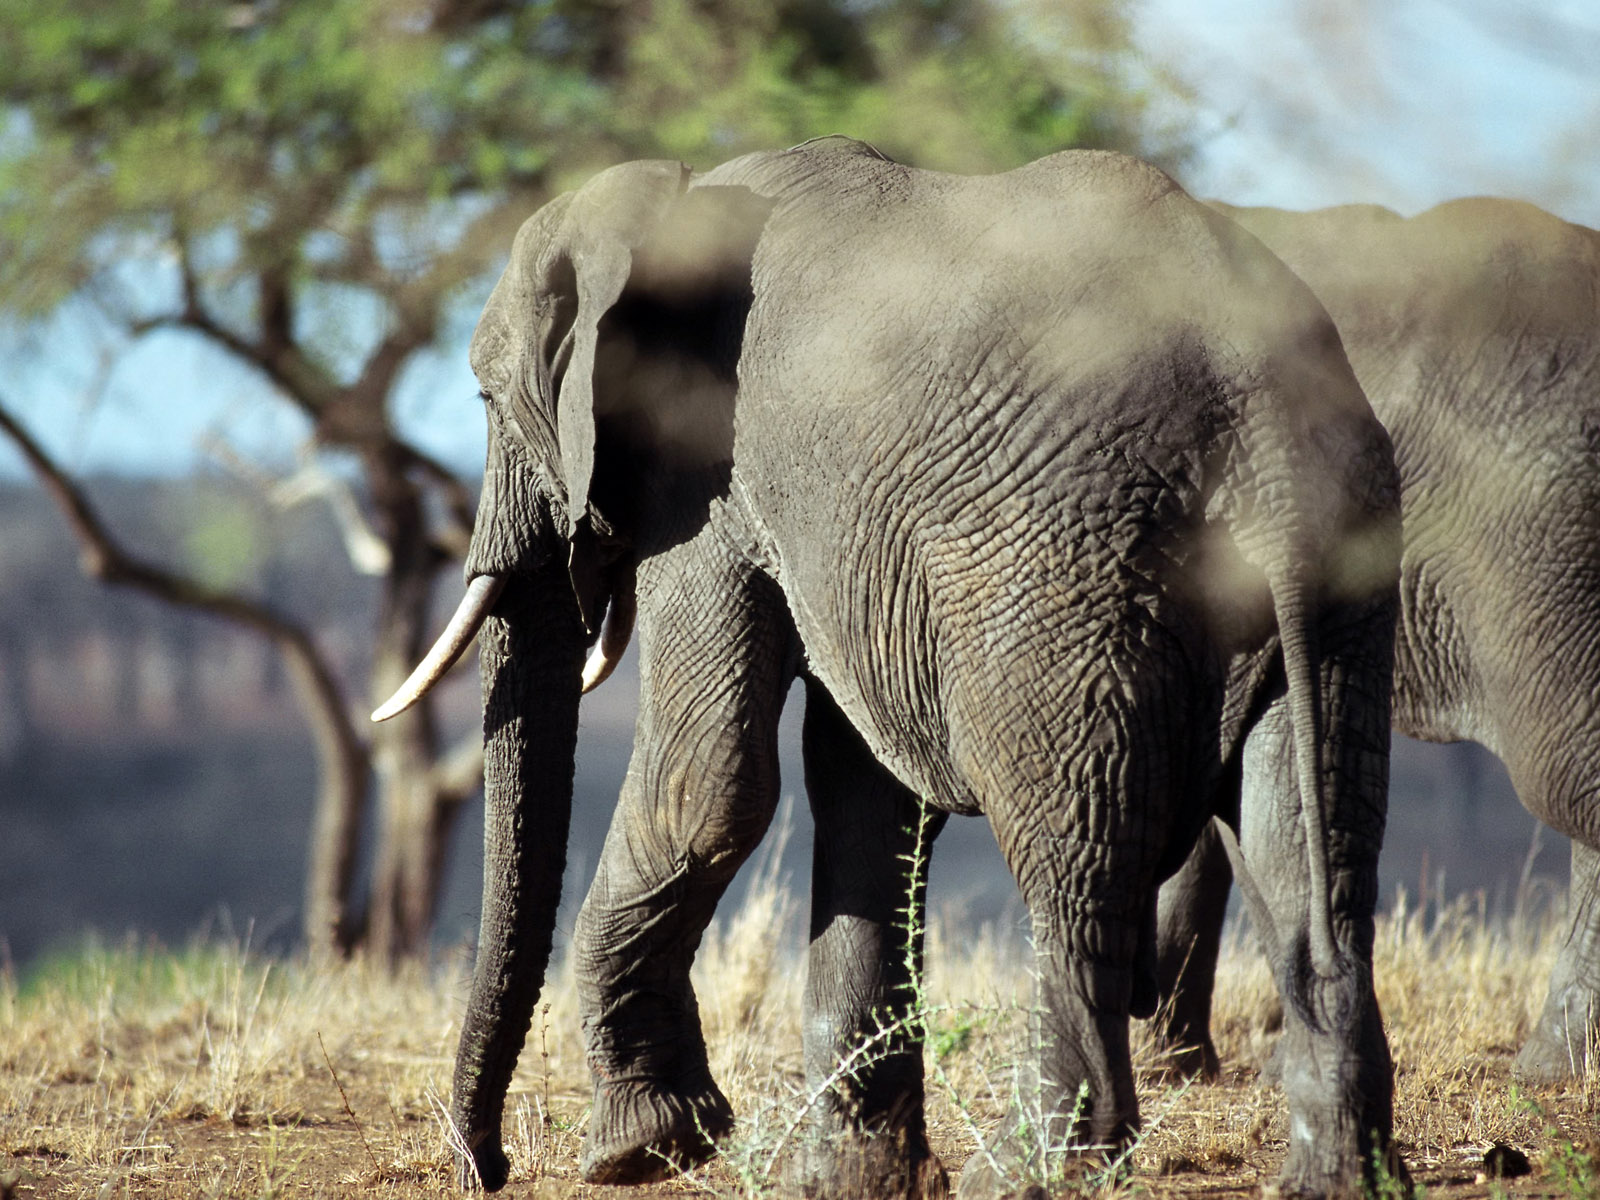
(275, 355)
(343, 757)
(458, 500)
(287, 370)
(105, 560)
(451, 16)
(358, 415)
(458, 776)
(276, 312)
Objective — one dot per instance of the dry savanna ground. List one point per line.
(139, 1071)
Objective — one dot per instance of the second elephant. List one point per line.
(1475, 331)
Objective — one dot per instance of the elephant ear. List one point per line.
(610, 217)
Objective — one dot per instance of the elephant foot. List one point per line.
(1300, 1184)
(643, 1132)
(1018, 1167)
(1395, 1181)
(1559, 1047)
(1546, 1060)
(999, 1177)
(986, 1178)
(1337, 1168)
(892, 1165)
(1188, 1058)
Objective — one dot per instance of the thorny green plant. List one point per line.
(755, 1157)
(1572, 1170)
(746, 1157)
(922, 1011)
(1053, 1154)
(1388, 1183)
(1115, 1172)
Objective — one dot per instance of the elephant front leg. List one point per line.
(863, 1033)
(1562, 1043)
(1190, 915)
(716, 659)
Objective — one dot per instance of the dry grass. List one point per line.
(135, 1071)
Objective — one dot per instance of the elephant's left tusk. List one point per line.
(614, 635)
(482, 592)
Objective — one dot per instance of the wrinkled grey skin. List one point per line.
(1475, 330)
(1023, 474)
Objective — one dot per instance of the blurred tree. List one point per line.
(258, 174)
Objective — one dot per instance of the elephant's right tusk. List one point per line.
(482, 592)
(614, 635)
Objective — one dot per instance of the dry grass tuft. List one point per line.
(136, 1071)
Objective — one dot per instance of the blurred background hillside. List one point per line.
(242, 247)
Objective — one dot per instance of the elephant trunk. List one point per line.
(532, 652)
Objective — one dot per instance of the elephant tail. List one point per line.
(1293, 601)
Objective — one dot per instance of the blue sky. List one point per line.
(1299, 103)
(1401, 102)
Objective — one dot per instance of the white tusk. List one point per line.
(614, 635)
(482, 592)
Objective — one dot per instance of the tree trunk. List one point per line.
(343, 781)
(406, 871)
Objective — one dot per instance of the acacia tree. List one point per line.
(245, 162)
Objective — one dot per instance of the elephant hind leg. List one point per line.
(1334, 1060)
(1085, 828)
(1074, 1093)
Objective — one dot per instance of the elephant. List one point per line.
(1057, 492)
(1474, 328)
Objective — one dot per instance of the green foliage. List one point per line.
(1389, 1180)
(225, 545)
(954, 1033)
(137, 977)
(960, 86)
(330, 139)
(1571, 1170)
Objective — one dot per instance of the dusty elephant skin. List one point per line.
(1475, 330)
(1058, 492)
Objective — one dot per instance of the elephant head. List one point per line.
(614, 326)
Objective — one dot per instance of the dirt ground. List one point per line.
(211, 1072)
(325, 1151)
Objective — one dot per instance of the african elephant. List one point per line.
(1475, 330)
(1028, 476)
